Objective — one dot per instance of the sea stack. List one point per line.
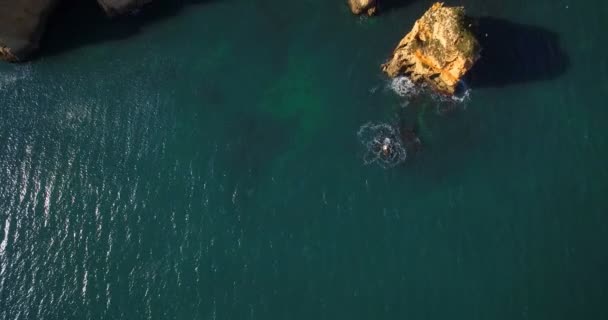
(438, 50)
(363, 7)
(21, 25)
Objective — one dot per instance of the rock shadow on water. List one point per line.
(388, 5)
(514, 53)
(78, 23)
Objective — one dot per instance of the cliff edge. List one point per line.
(22, 23)
(21, 26)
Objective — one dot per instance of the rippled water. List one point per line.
(202, 161)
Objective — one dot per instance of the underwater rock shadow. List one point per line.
(78, 23)
(257, 141)
(514, 53)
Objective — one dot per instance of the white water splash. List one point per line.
(404, 87)
(462, 94)
(85, 282)
(383, 144)
(3, 244)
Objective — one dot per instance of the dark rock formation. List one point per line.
(22, 23)
(117, 7)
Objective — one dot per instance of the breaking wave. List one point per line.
(404, 87)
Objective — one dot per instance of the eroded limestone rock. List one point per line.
(438, 50)
(363, 6)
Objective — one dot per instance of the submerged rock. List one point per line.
(363, 6)
(21, 25)
(117, 7)
(438, 50)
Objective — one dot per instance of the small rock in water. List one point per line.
(363, 6)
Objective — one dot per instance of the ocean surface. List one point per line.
(200, 160)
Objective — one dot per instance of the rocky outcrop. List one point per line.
(22, 23)
(438, 50)
(117, 7)
(363, 6)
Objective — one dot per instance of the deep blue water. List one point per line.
(201, 161)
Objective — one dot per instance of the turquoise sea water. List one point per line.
(200, 161)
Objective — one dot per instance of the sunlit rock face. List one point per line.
(438, 50)
(363, 7)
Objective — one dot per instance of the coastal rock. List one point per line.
(438, 50)
(21, 25)
(363, 6)
(118, 7)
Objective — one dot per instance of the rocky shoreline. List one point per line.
(22, 23)
(438, 50)
(21, 26)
